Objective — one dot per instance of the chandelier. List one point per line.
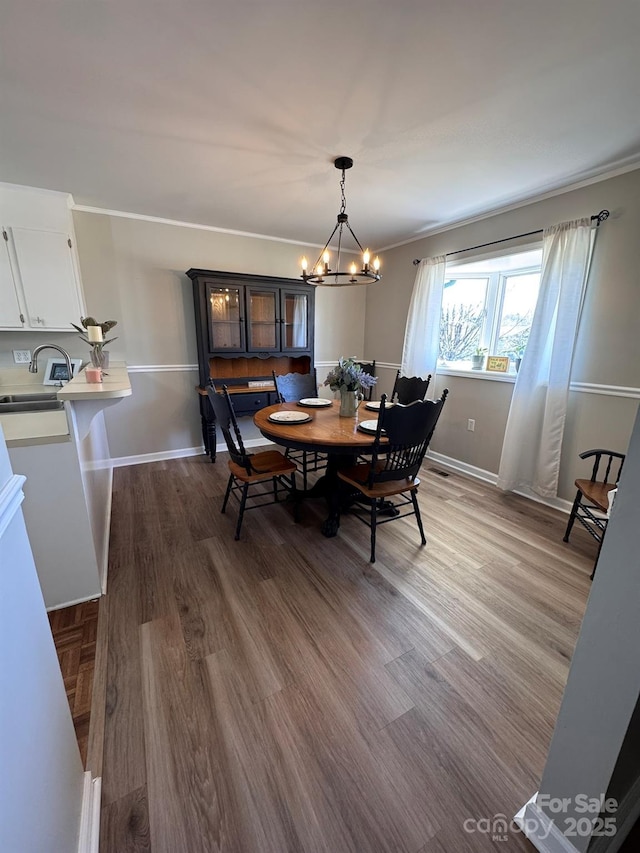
(322, 272)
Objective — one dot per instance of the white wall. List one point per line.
(41, 778)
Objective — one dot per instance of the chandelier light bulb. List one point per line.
(303, 264)
(376, 263)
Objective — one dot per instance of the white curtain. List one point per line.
(422, 333)
(299, 321)
(533, 438)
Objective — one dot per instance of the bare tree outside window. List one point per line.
(460, 327)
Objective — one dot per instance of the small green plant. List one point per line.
(479, 350)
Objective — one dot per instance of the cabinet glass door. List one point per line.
(295, 321)
(226, 320)
(263, 321)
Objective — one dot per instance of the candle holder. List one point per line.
(99, 356)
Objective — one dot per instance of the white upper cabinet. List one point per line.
(46, 274)
(40, 288)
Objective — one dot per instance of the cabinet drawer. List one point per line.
(248, 404)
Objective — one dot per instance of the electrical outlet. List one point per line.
(471, 425)
(22, 356)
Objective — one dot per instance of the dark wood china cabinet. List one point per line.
(246, 327)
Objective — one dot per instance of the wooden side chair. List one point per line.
(249, 469)
(402, 438)
(370, 368)
(407, 389)
(591, 504)
(291, 387)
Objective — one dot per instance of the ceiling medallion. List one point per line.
(322, 272)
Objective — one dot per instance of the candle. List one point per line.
(94, 334)
(93, 374)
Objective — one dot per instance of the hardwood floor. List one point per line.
(74, 632)
(281, 694)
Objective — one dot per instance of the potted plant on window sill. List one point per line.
(477, 359)
(517, 357)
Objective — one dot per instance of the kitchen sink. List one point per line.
(12, 404)
(28, 398)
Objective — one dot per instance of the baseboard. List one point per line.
(462, 467)
(89, 837)
(541, 830)
(72, 603)
(489, 477)
(160, 456)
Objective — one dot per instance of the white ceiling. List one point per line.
(231, 114)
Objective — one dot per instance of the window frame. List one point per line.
(493, 308)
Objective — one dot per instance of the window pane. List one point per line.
(463, 312)
(520, 295)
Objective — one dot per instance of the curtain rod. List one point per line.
(600, 217)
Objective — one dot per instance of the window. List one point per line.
(487, 306)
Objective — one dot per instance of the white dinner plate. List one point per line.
(289, 417)
(314, 402)
(374, 405)
(370, 427)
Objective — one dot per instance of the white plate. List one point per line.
(374, 405)
(369, 426)
(289, 417)
(314, 402)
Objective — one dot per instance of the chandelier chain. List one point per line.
(343, 206)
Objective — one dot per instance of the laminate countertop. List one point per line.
(22, 428)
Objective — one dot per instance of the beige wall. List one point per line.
(133, 271)
(608, 346)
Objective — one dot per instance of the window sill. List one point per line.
(477, 374)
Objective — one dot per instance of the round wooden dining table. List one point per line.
(326, 432)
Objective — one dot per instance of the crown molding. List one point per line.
(159, 220)
(628, 165)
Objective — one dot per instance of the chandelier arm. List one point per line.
(354, 236)
(326, 245)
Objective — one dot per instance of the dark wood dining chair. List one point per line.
(391, 477)
(591, 504)
(249, 469)
(408, 389)
(290, 388)
(370, 368)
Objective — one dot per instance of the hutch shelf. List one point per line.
(246, 327)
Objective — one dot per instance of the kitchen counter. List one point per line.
(23, 428)
(114, 386)
(65, 457)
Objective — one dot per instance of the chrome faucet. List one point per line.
(33, 367)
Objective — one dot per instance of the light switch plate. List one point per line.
(22, 356)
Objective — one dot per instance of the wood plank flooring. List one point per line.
(281, 694)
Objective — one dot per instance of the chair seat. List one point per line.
(269, 463)
(358, 476)
(596, 492)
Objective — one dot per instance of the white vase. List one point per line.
(348, 404)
